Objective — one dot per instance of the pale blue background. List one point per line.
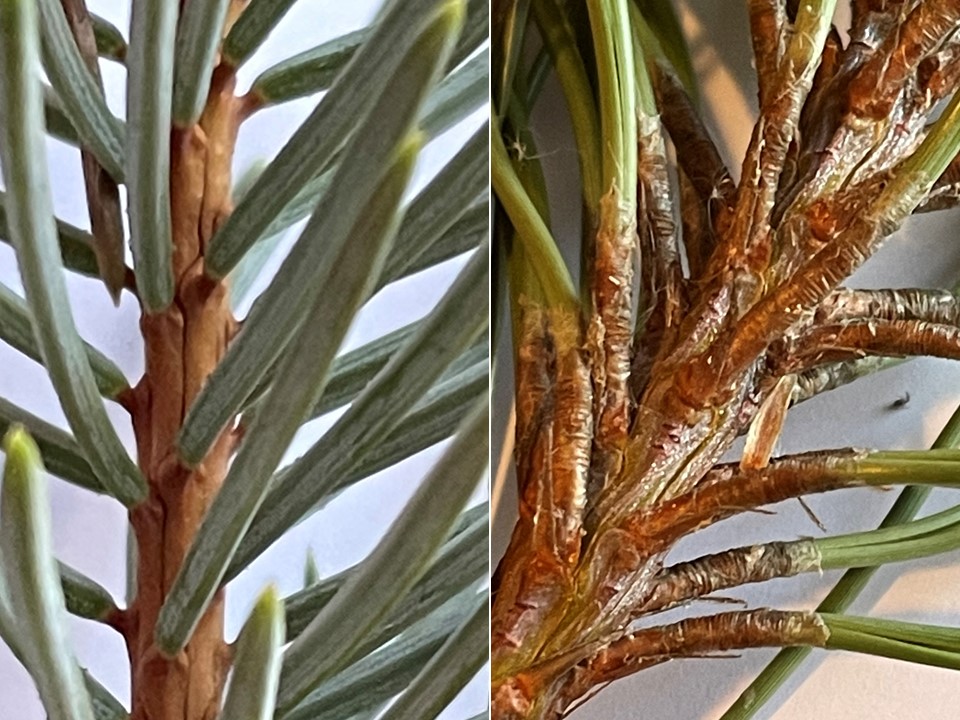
(90, 531)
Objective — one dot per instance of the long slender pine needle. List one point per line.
(252, 694)
(252, 28)
(110, 41)
(461, 561)
(60, 452)
(538, 243)
(313, 146)
(153, 27)
(512, 24)
(105, 705)
(16, 329)
(366, 684)
(841, 597)
(83, 102)
(559, 40)
(198, 39)
(328, 644)
(441, 679)
(76, 246)
(32, 581)
(360, 432)
(84, 597)
(30, 217)
(912, 642)
(432, 419)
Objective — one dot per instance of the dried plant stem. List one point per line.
(697, 578)
(843, 594)
(610, 332)
(728, 490)
(711, 634)
(706, 189)
(768, 30)
(773, 132)
(895, 114)
(697, 153)
(693, 637)
(779, 310)
(616, 575)
(839, 343)
(661, 293)
(553, 437)
(876, 88)
(103, 195)
(620, 579)
(829, 377)
(610, 272)
(932, 306)
(846, 147)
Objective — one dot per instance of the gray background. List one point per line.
(924, 253)
(90, 531)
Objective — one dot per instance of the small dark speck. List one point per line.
(900, 402)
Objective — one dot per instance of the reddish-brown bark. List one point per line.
(183, 344)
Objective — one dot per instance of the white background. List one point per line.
(925, 253)
(90, 531)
